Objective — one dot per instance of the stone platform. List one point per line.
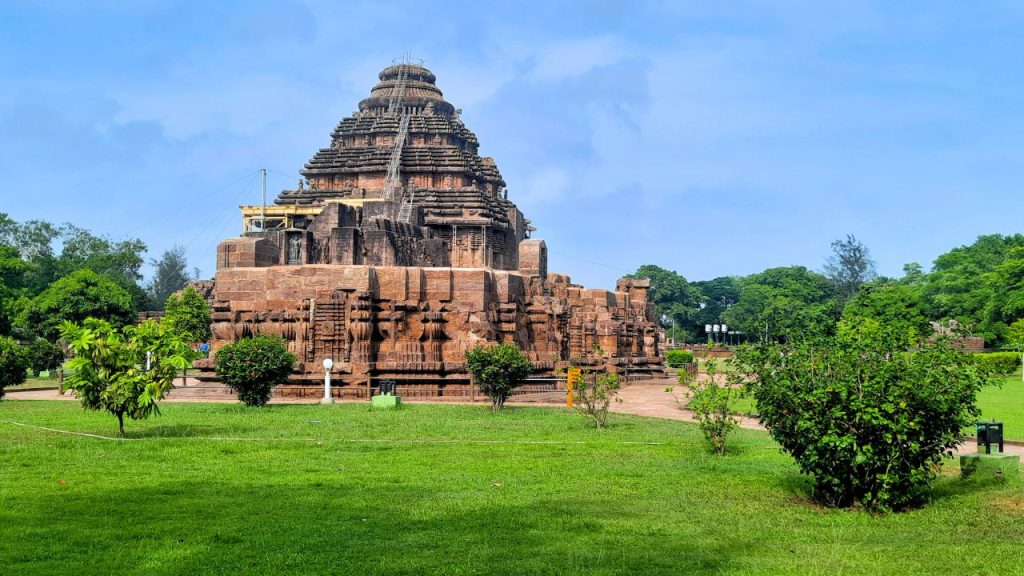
(987, 466)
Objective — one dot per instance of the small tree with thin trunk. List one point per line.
(498, 370)
(123, 371)
(712, 401)
(594, 395)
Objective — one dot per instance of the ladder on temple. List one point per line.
(396, 106)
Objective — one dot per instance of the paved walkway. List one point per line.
(640, 397)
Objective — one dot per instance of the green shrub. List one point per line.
(711, 399)
(44, 355)
(593, 399)
(999, 362)
(13, 364)
(869, 423)
(253, 366)
(677, 358)
(498, 370)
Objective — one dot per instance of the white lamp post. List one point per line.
(328, 364)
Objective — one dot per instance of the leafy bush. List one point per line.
(13, 364)
(109, 370)
(253, 366)
(677, 358)
(44, 355)
(999, 362)
(593, 399)
(869, 422)
(711, 399)
(189, 314)
(498, 370)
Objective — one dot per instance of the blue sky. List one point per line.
(712, 138)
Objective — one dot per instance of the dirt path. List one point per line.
(649, 398)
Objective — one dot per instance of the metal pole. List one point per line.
(263, 209)
(327, 389)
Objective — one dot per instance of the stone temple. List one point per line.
(400, 249)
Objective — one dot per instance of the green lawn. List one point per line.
(35, 383)
(1005, 404)
(309, 489)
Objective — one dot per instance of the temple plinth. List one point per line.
(399, 250)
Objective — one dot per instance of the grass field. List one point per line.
(306, 489)
(35, 383)
(1005, 404)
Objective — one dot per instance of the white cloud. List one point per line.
(566, 59)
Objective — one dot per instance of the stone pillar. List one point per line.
(361, 329)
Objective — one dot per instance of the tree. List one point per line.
(961, 287)
(1015, 338)
(81, 295)
(716, 296)
(896, 303)
(171, 275)
(44, 355)
(790, 302)
(119, 261)
(12, 285)
(253, 366)
(124, 371)
(33, 239)
(498, 370)
(849, 266)
(673, 297)
(913, 273)
(13, 364)
(1006, 286)
(189, 314)
(868, 420)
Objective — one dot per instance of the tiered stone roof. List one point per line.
(439, 148)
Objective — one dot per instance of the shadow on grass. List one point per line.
(185, 431)
(801, 488)
(345, 526)
(946, 487)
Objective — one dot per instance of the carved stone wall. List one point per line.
(409, 322)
